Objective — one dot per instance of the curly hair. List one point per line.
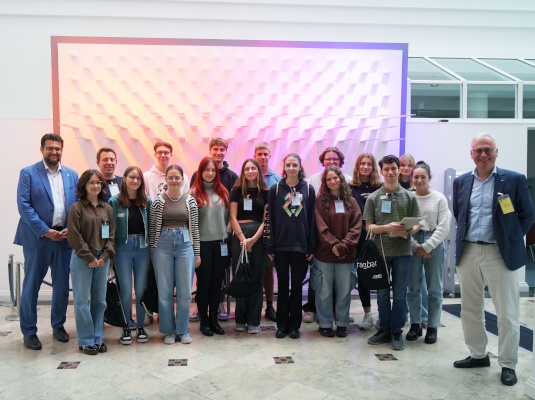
(325, 193)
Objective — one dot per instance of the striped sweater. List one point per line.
(155, 223)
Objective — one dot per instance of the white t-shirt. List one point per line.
(155, 182)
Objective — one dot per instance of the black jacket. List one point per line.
(289, 228)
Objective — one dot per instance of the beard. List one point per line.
(52, 163)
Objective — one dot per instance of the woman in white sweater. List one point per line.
(429, 254)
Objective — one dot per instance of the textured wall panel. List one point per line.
(299, 97)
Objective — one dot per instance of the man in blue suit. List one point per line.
(45, 192)
(494, 211)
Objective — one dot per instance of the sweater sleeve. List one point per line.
(355, 227)
(109, 249)
(443, 225)
(74, 234)
(194, 217)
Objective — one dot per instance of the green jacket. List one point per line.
(121, 220)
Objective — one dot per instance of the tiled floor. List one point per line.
(243, 366)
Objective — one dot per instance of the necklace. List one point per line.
(177, 199)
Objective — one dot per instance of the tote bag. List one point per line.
(150, 297)
(245, 282)
(114, 314)
(371, 265)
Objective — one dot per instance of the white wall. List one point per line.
(456, 28)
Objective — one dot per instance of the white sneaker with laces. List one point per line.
(367, 322)
(169, 339)
(185, 338)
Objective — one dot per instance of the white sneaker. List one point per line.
(367, 322)
(169, 339)
(309, 317)
(185, 338)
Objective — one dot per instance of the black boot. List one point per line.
(431, 335)
(415, 332)
(216, 328)
(205, 326)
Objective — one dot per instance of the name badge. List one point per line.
(386, 206)
(185, 235)
(120, 215)
(339, 206)
(505, 204)
(224, 249)
(105, 229)
(296, 200)
(114, 189)
(248, 204)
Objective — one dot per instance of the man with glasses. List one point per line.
(45, 192)
(107, 162)
(494, 211)
(155, 177)
(330, 156)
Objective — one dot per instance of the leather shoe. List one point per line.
(414, 332)
(431, 336)
(281, 333)
(102, 348)
(470, 362)
(32, 342)
(61, 334)
(294, 333)
(91, 350)
(508, 376)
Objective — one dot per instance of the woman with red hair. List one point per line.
(213, 201)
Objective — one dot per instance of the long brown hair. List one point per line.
(375, 178)
(199, 191)
(141, 197)
(325, 192)
(241, 182)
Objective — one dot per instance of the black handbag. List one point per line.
(114, 313)
(149, 300)
(371, 265)
(245, 282)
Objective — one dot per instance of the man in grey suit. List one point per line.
(45, 192)
(494, 211)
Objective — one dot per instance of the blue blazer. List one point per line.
(36, 205)
(509, 229)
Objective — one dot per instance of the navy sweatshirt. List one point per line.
(287, 227)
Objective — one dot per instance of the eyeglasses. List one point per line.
(486, 150)
(163, 153)
(135, 178)
(331, 159)
(95, 183)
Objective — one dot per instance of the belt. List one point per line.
(479, 242)
(58, 228)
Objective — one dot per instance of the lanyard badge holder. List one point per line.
(248, 204)
(105, 229)
(505, 203)
(224, 248)
(339, 206)
(296, 199)
(386, 205)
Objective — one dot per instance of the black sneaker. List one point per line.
(341, 331)
(327, 332)
(380, 337)
(414, 332)
(142, 336)
(126, 337)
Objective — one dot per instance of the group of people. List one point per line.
(199, 227)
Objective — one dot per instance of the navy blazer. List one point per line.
(36, 204)
(509, 229)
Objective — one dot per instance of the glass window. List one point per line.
(491, 101)
(470, 69)
(517, 68)
(420, 69)
(435, 100)
(529, 101)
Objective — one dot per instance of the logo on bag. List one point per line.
(367, 264)
(378, 276)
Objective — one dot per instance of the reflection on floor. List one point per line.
(243, 366)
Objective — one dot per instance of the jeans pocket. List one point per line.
(315, 279)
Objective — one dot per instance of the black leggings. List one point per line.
(209, 276)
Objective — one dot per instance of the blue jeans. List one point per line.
(130, 257)
(392, 316)
(89, 282)
(174, 265)
(340, 275)
(434, 269)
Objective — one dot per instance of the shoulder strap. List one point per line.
(277, 191)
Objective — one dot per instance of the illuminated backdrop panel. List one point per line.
(298, 96)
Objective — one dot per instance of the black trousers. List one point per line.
(289, 312)
(209, 276)
(249, 309)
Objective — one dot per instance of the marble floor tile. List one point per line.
(205, 385)
(298, 391)
(29, 389)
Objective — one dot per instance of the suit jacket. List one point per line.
(36, 205)
(509, 229)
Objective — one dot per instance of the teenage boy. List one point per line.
(384, 210)
(262, 154)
